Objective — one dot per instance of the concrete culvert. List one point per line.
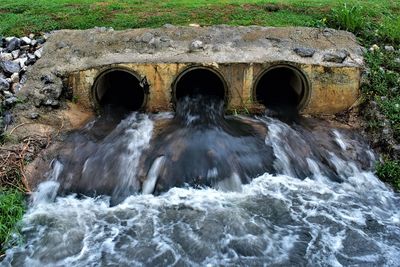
(199, 81)
(119, 88)
(282, 87)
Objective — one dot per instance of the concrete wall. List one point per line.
(330, 89)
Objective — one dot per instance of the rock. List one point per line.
(40, 41)
(8, 94)
(23, 79)
(34, 115)
(52, 86)
(217, 48)
(31, 60)
(16, 87)
(10, 67)
(61, 45)
(15, 77)
(389, 48)
(271, 7)
(2, 41)
(38, 53)
(10, 101)
(24, 48)
(196, 45)
(8, 119)
(8, 39)
(374, 47)
(168, 26)
(6, 57)
(51, 102)
(336, 56)
(26, 41)
(48, 78)
(14, 44)
(304, 51)
(31, 36)
(22, 61)
(4, 84)
(194, 25)
(147, 37)
(34, 43)
(15, 54)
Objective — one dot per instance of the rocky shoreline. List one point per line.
(16, 56)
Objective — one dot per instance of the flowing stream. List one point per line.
(202, 189)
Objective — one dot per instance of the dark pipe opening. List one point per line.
(119, 88)
(199, 81)
(282, 87)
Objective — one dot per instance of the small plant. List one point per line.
(75, 99)
(389, 171)
(348, 17)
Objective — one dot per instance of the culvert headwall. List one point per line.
(317, 71)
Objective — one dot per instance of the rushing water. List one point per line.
(253, 191)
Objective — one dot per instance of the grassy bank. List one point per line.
(373, 21)
(12, 207)
(19, 17)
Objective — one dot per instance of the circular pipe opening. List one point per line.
(119, 88)
(282, 87)
(199, 81)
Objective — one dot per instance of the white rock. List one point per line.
(8, 39)
(31, 36)
(15, 54)
(22, 61)
(33, 43)
(26, 40)
(374, 47)
(389, 48)
(38, 53)
(31, 56)
(196, 45)
(8, 94)
(14, 78)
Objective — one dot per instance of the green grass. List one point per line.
(384, 85)
(21, 17)
(12, 207)
(389, 171)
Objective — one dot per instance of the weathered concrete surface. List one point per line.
(240, 54)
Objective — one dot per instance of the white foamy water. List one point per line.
(275, 220)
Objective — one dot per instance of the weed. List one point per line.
(348, 17)
(389, 171)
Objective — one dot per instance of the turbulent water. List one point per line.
(304, 195)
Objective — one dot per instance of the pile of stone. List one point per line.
(16, 55)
